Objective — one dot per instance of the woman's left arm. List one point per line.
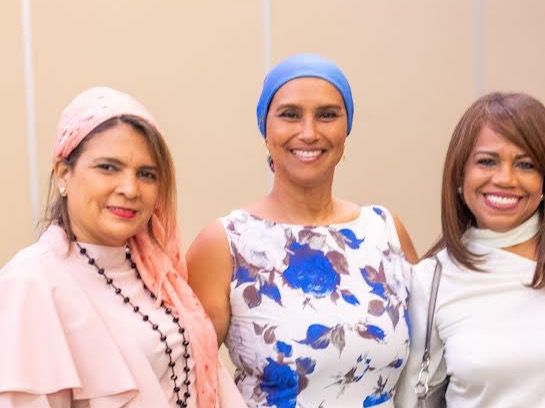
(405, 241)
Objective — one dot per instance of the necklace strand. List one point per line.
(181, 399)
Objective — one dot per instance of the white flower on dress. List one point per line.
(270, 253)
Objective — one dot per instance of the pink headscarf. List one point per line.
(163, 270)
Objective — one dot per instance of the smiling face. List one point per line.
(501, 187)
(113, 187)
(306, 130)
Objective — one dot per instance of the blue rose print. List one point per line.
(407, 318)
(349, 297)
(380, 212)
(305, 365)
(311, 271)
(280, 383)
(283, 348)
(351, 239)
(397, 363)
(370, 331)
(319, 320)
(242, 275)
(376, 280)
(380, 395)
(271, 290)
(376, 399)
(317, 336)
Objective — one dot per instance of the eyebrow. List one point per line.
(296, 106)
(118, 162)
(494, 154)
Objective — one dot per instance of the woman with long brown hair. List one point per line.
(488, 331)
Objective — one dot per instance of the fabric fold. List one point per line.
(66, 345)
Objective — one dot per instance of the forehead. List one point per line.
(490, 140)
(122, 142)
(308, 89)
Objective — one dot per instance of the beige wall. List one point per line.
(15, 219)
(414, 67)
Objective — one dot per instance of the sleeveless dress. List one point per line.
(318, 313)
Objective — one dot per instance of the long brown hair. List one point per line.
(57, 209)
(521, 119)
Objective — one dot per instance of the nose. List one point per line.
(128, 185)
(309, 131)
(504, 175)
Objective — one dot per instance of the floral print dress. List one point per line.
(318, 313)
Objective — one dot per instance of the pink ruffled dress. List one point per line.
(67, 340)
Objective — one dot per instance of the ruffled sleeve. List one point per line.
(52, 341)
(61, 399)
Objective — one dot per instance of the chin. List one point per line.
(501, 226)
(120, 236)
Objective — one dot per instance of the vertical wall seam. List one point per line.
(30, 110)
(267, 56)
(478, 48)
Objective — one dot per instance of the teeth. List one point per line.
(307, 154)
(498, 200)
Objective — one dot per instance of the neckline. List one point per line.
(291, 225)
(522, 233)
(108, 257)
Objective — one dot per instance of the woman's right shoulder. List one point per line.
(211, 236)
(34, 272)
(210, 248)
(27, 264)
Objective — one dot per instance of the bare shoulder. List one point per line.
(348, 210)
(209, 254)
(210, 268)
(210, 237)
(405, 240)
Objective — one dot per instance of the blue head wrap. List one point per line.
(299, 66)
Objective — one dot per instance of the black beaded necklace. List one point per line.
(181, 399)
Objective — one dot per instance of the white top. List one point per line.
(489, 333)
(318, 312)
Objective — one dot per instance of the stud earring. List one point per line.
(459, 190)
(62, 191)
(541, 198)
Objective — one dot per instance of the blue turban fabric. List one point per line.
(299, 66)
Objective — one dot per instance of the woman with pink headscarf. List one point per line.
(98, 313)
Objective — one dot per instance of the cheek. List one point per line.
(537, 192)
(534, 185)
(151, 196)
(473, 179)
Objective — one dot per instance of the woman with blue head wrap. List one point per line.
(307, 290)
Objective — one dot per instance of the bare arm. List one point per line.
(210, 269)
(405, 241)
